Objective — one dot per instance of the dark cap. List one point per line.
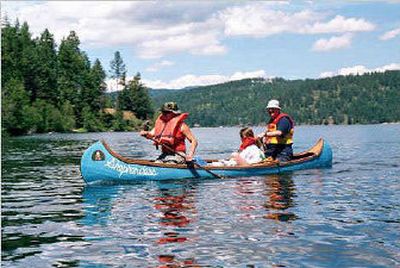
(170, 107)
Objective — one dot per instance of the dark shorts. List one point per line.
(282, 152)
(170, 158)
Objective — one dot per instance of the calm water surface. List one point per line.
(346, 216)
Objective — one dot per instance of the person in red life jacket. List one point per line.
(248, 153)
(278, 138)
(170, 131)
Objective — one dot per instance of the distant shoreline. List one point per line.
(220, 127)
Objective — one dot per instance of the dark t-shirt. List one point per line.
(283, 152)
(284, 125)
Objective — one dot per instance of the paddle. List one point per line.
(146, 128)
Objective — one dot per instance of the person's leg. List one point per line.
(269, 150)
(174, 159)
(161, 157)
(238, 159)
(285, 154)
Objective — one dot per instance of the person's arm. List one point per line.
(275, 133)
(193, 142)
(147, 134)
(283, 128)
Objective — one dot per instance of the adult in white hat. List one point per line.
(278, 138)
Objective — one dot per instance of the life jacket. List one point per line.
(170, 134)
(246, 142)
(272, 126)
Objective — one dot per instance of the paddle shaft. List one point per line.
(184, 157)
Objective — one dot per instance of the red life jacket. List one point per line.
(246, 142)
(272, 126)
(170, 133)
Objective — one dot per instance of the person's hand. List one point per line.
(235, 154)
(143, 133)
(261, 135)
(189, 158)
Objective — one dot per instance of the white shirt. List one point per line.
(252, 154)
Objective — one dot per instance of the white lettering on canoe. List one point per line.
(123, 168)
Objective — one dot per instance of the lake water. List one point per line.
(346, 216)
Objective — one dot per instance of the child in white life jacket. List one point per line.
(248, 153)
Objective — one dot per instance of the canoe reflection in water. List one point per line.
(110, 210)
(176, 204)
(280, 193)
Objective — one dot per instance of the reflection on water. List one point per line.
(280, 194)
(167, 221)
(176, 204)
(346, 216)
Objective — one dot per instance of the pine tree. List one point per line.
(27, 60)
(73, 73)
(14, 109)
(46, 78)
(135, 98)
(118, 70)
(10, 53)
(96, 96)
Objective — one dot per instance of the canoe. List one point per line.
(99, 163)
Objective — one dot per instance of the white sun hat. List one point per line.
(273, 104)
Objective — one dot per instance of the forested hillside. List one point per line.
(360, 99)
(46, 87)
(49, 87)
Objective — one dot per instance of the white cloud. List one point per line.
(360, 69)
(112, 85)
(326, 74)
(259, 20)
(388, 67)
(357, 69)
(157, 29)
(159, 65)
(201, 80)
(335, 42)
(390, 34)
(339, 24)
(202, 44)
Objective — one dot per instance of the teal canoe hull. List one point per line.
(101, 164)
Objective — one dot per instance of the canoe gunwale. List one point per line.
(310, 154)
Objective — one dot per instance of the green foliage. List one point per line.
(360, 99)
(67, 117)
(95, 95)
(46, 68)
(90, 120)
(47, 90)
(15, 103)
(119, 124)
(117, 69)
(134, 97)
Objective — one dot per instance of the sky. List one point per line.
(176, 44)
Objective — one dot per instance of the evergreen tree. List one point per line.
(118, 70)
(96, 97)
(10, 53)
(15, 103)
(90, 120)
(73, 73)
(46, 66)
(27, 60)
(135, 98)
(67, 117)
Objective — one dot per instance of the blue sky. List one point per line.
(175, 44)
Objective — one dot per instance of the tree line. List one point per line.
(48, 88)
(354, 99)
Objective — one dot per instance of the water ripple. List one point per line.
(339, 217)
